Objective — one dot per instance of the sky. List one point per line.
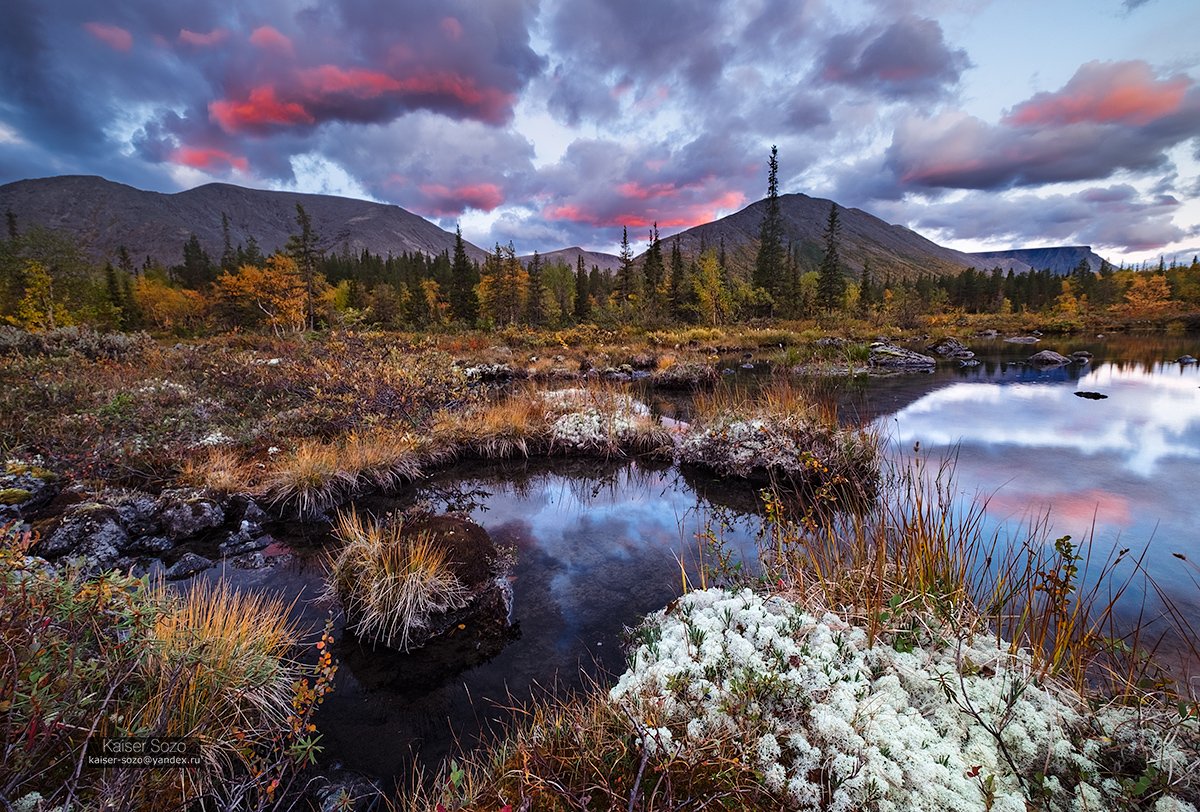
(981, 124)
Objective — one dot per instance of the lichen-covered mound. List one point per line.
(602, 421)
(832, 723)
(789, 446)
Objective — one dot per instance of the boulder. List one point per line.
(1082, 355)
(951, 348)
(187, 566)
(889, 356)
(139, 512)
(148, 545)
(187, 513)
(88, 528)
(1023, 340)
(1049, 358)
(25, 488)
(1185, 360)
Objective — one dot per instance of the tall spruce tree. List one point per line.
(303, 248)
(654, 272)
(626, 287)
(867, 298)
(535, 303)
(464, 303)
(678, 282)
(831, 285)
(228, 255)
(768, 264)
(583, 304)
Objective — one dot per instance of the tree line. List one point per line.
(45, 282)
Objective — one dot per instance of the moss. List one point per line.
(13, 496)
(35, 471)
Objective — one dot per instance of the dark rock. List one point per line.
(139, 512)
(889, 356)
(1082, 355)
(951, 348)
(187, 566)
(186, 513)
(85, 529)
(1023, 340)
(250, 561)
(969, 362)
(340, 790)
(1091, 395)
(247, 538)
(1049, 358)
(25, 488)
(149, 545)
(1185, 360)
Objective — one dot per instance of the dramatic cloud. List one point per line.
(114, 36)
(1109, 117)
(909, 58)
(1104, 217)
(549, 123)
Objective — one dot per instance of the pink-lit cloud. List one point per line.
(446, 201)
(261, 110)
(203, 40)
(114, 36)
(1105, 93)
(270, 39)
(452, 28)
(209, 159)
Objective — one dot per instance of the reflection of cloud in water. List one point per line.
(1077, 508)
(1146, 419)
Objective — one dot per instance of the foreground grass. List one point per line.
(84, 658)
(893, 660)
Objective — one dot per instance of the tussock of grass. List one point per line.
(219, 670)
(391, 582)
(318, 475)
(220, 470)
(513, 426)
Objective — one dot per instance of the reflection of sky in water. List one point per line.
(1147, 417)
(1130, 464)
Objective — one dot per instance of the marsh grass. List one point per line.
(218, 670)
(513, 425)
(220, 470)
(390, 581)
(320, 475)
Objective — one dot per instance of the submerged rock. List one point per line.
(187, 566)
(889, 356)
(1023, 340)
(950, 347)
(1091, 395)
(1185, 360)
(1049, 358)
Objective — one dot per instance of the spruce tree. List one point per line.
(535, 305)
(583, 304)
(196, 272)
(830, 284)
(303, 249)
(228, 257)
(654, 273)
(866, 291)
(678, 283)
(768, 265)
(626, 287)
(464, 304)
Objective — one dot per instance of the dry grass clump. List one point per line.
(514, 425)
(219, 670)
(219, 469)
(320, 475)
(391, 582)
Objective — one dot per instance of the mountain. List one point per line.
(104, 216)
(893, 250)
(1060, 260)
(570, 256)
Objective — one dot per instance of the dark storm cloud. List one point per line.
(907, 59)
(203, 85)
(1111, 217)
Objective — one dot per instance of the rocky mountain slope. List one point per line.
(106, 215)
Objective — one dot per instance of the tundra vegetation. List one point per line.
(888, 656)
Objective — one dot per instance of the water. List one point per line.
(598, 547)
(598, 544)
